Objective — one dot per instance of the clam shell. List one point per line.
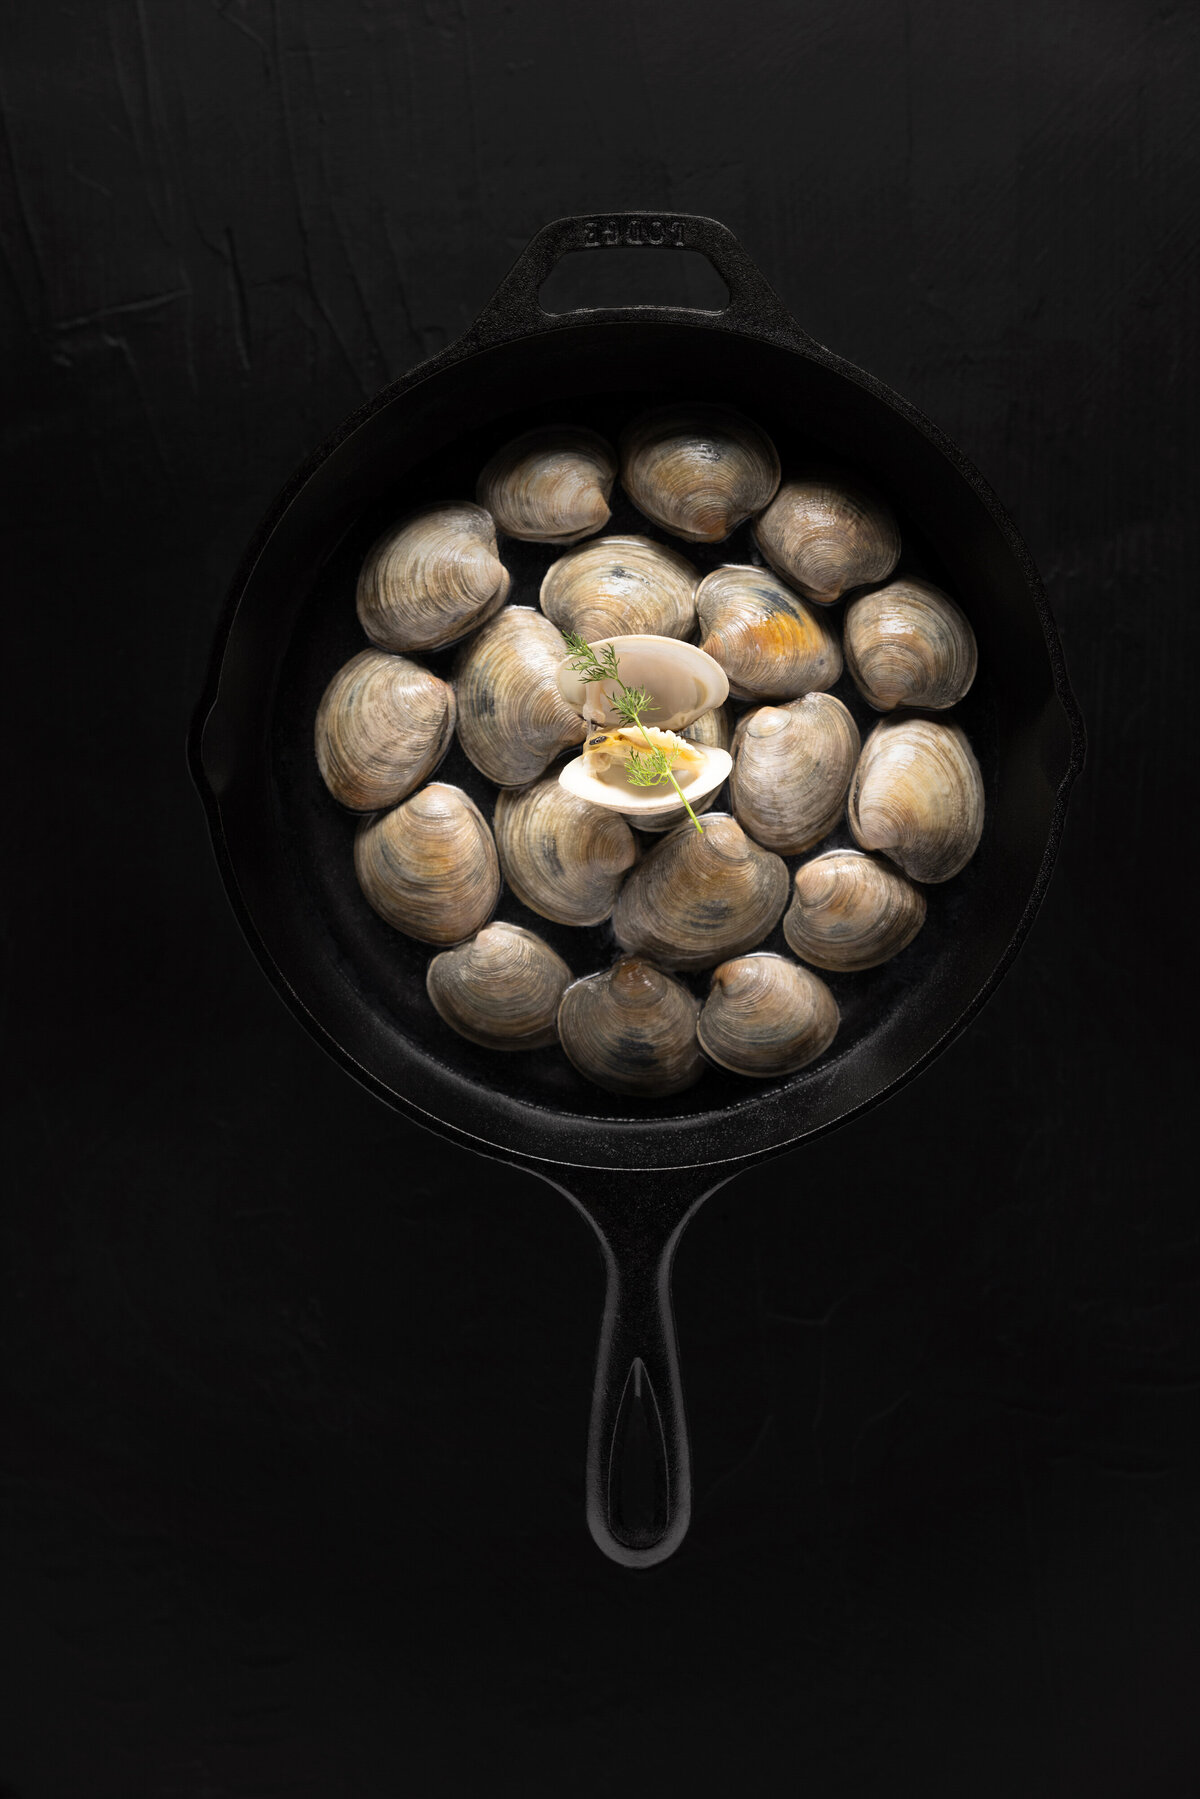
(642, 804)
(792, 767)
(907, 644)
(512, 719)
(769, 642)
(827, 532)
(562, 857)
(713, 730)
(699, 471)
(431, 579)
(632, 1030)
(765, 1015)
(621, 586)
(501, 990)
(383, 725)
(917, 795)
(683, 682)
(851, 911)
(550, 485)
(429, 867)
(695, 900)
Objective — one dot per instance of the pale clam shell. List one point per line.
(621, 586)
(792, 767)
(429, 867)
(429, 580)
(713, 730)
(907, 644)
(698, 470)
(765, 1015)
(770, 643)
(563, 858)
(383, 725)
(917, 795)
(644, 806)
(501, 990)
(632, 1030)
(550, 485)
(851, 911)
(826, 532)
(512, 719)
(696, 899)
(682, 681)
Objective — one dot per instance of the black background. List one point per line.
(297, 1394)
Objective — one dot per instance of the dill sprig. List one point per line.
(628, 703)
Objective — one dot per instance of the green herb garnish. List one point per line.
(628, 703)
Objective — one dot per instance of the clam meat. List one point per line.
(712, 731)
(699, 471)
(632, 1030)
(551, 485)
(501, 990)
(826, 533)
(792, 767)
(851, 911)
(430, 580)
(607, 773)
(383, 725)
(917, 795)
(770, 643)
(429, 866)
(563, 858)
(907, 644)
(512, 719)
(697, 898)
(681, 680)
(765, 1015)
(621, 586)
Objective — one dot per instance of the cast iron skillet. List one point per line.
(284, 846)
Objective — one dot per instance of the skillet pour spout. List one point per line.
(284, 847)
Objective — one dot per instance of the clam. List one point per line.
(432, 579)
(712, 731)
(429, 866)
(769, 642)
(699, 471)
(383, 725)
(826, 532)
(682, 681)
(917, 795)
(603, 774)
(621, 585)
(765, 1015)
(562, 857)
(712, 728)
(907, 644)
(851, 911)
(792, 766)
(696, 899)
(632, 1029)
(502, 989)
(550, 485)
(512, 719)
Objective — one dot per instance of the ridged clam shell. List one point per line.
(695, 900)
(907, 644)
(827, 532)
(429, 867)
(562, 857)
(765, 1015)
(770, 643)
(501, 990)
(917, 795)
(698, 470)
(550, 485)
(851, 911)
(512, 719)
(621, 587)
(792, 767)
(383, 725)
(429, 580)
(632, 1030)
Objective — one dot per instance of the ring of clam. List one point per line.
(686, 892)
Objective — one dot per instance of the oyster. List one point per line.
(433, 578)
(512, 719)
(907, 644)
(851, 911)
(562, 857)
(917, 795)
(769, 642)
(765, 1015)
(550, 485)
(383, 725)
(792, 766)
(501, 990)
(682, 681)
(621, 585)
(632, 1029)
(429, 866)
(696, 899)
(699, 471)
(827, 532)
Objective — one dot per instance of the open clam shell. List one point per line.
(383, 725)
(429, 580)
(501, 990)
(770, 643)
(563, 858)
(550, 485)
(632, 1030)
(765, 1015)
(917, 795)
(682, 681)
(792, 768)
(851, 911)
(713, 731)
(697, 782)
(621, 586)
(697, 898)
(429, 866)
(512, 718)
(907, 644)
(698, 470)
(826, 532)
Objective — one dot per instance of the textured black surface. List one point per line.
(293, 1457)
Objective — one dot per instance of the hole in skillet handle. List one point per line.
(620, 277)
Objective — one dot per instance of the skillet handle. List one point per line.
(754, 307)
